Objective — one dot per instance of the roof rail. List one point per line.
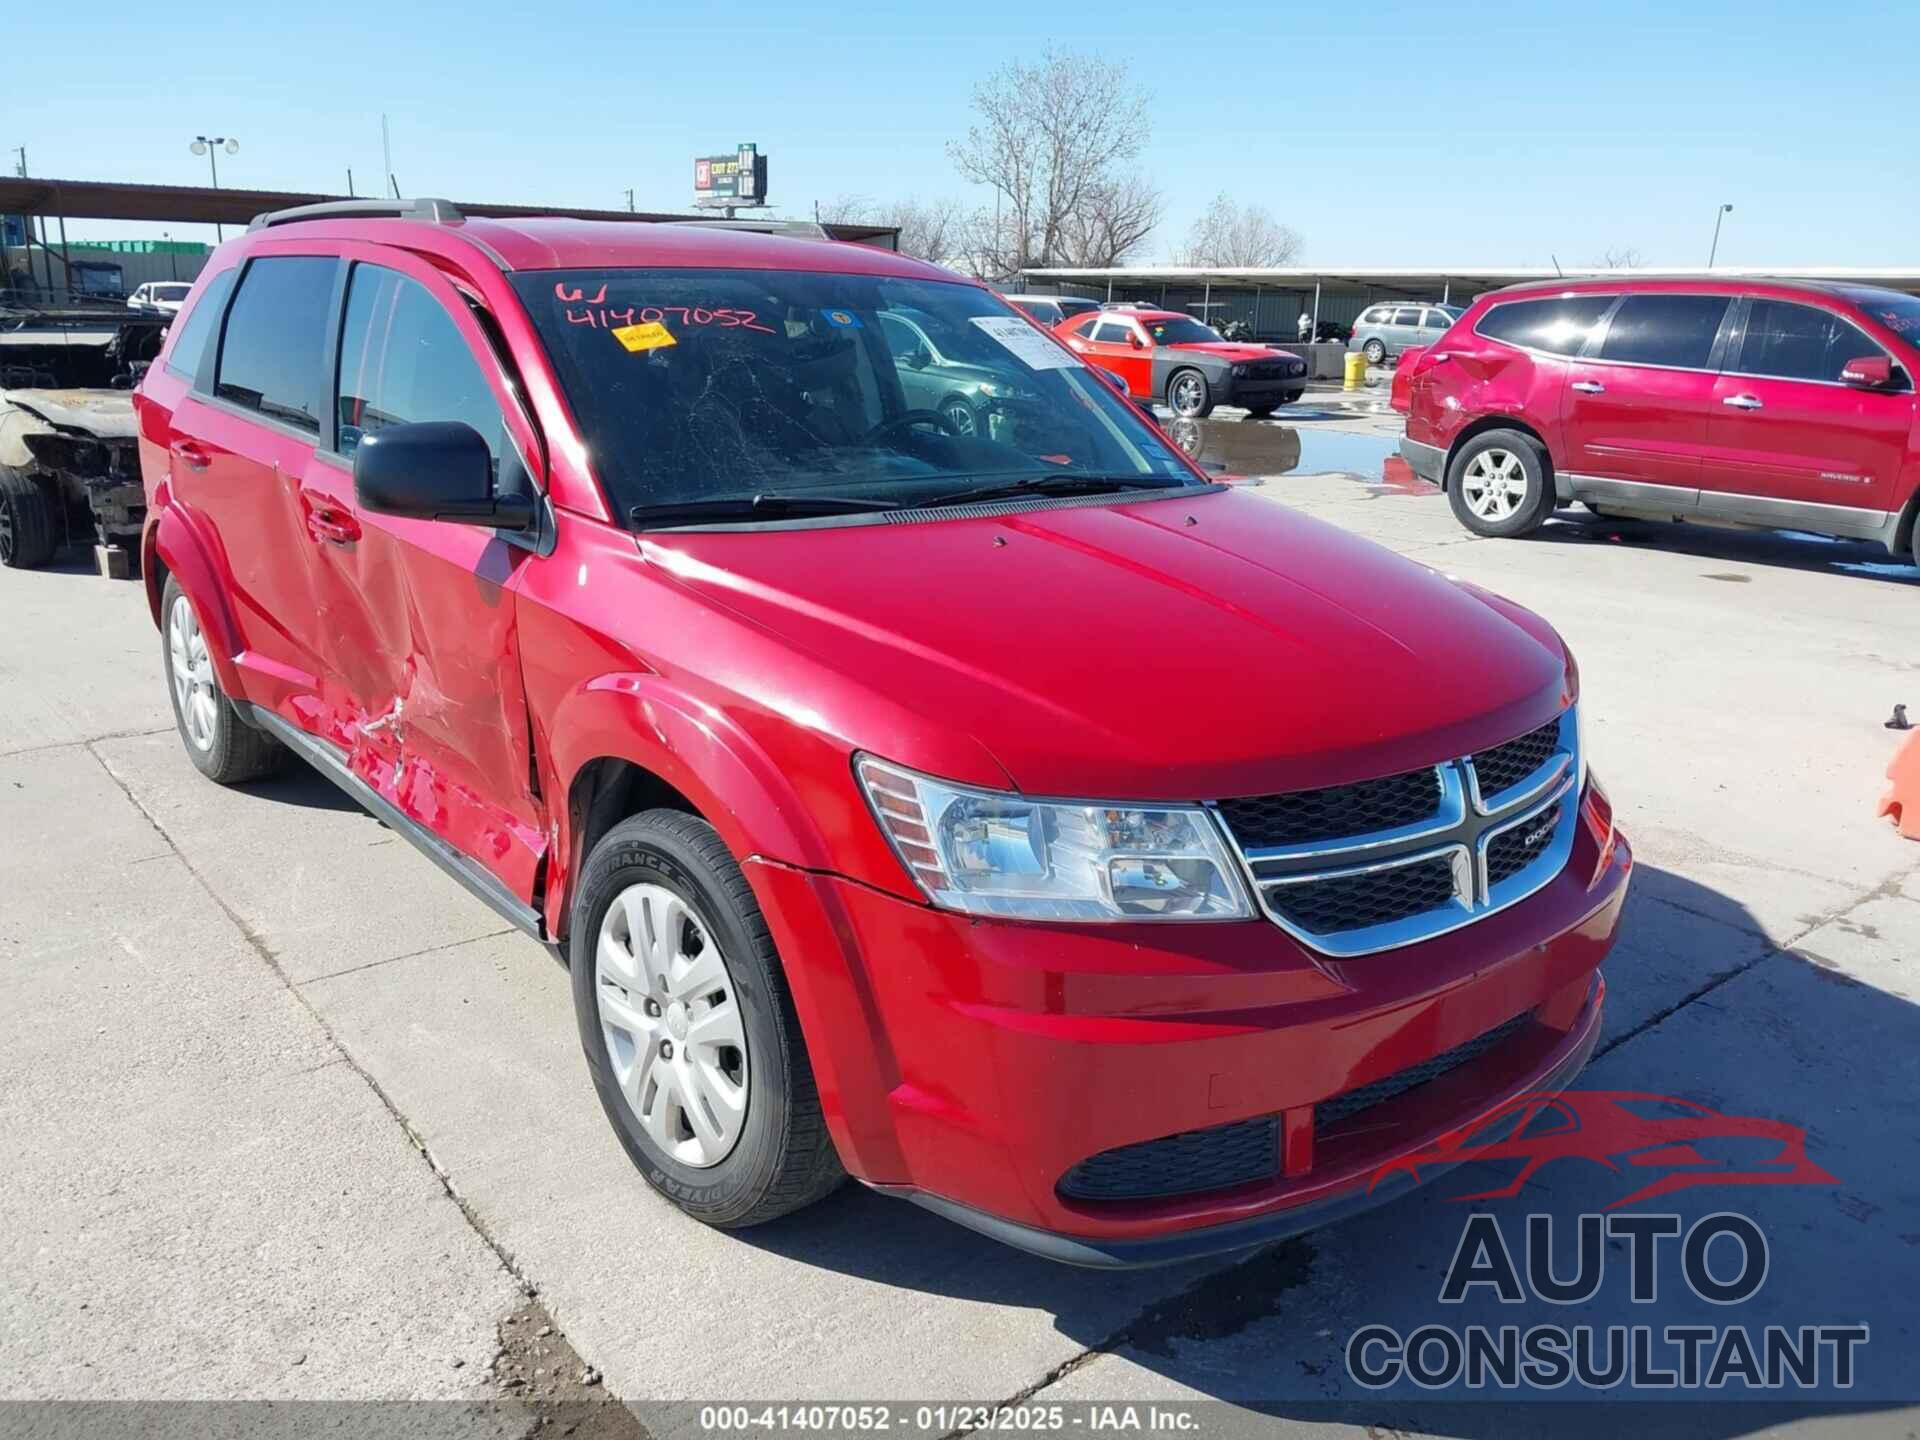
(425, 207)
(806, 229)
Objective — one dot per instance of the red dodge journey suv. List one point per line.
(1777, 404)
(1016, 819)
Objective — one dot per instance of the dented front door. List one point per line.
(422, 632)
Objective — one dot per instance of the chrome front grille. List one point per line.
(1355, 869)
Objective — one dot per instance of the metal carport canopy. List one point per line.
(199, 204)
(1430, 284)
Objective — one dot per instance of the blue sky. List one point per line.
(1387, 133)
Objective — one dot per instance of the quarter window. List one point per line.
(1671, 330)
(1112, 332)
(402, 360)
(197, 325)
(271, 357)
(1799, 342)
(1559, 326)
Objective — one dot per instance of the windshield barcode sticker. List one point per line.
(1033, 349)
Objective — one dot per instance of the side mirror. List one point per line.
(1869, 372)
(919, 359)
(1135, 341)
(435, 470)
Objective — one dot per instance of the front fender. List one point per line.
(172, 538)
(767, 824)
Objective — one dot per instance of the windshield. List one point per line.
(1180, 330)
(710, 385)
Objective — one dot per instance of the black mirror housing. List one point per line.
(435, 470)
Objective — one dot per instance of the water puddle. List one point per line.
(1256, 449)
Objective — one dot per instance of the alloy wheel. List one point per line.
(6, 532)
(191, 670)
(672, 1024)
(960, 418)
(1494, 484)
(1186, 396)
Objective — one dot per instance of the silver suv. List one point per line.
(1384, 330)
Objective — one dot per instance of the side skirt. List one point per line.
(324, 758)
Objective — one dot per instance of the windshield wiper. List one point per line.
(1051, 483)
(764, 506)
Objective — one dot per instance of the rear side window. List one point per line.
(191, 343)
(1799, 342)
(1559, 326)
(1406, 315)
(402, 360)
(1673, 330)
(271, 357)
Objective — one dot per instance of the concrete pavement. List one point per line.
(282, 1090)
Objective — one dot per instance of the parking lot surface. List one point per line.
(284, 1113)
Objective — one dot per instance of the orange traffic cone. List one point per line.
(1902, 800)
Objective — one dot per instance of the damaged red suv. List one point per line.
(1007, 815)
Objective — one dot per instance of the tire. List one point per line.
(222, 746)
(1375, 352)
(1498, 484)
(962, 419)
(670, 872)
(26, 521)
(1188, 395)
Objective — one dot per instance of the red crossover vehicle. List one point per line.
(1170, 357)
(1117, 863)
(1766, 403)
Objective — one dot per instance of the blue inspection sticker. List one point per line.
(844, 319)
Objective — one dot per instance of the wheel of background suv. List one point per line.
(1188, 395)
(222, 746)
(1375, 352)
(1497, 484)
(689, 1029)
(26, 521)
(959, 415)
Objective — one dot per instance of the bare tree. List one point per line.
(1051, 141)
(931, 230)
(1229, 236)
(1622, 257)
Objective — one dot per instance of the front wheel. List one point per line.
(689, 1029)
(1189, 396)
(26, 521)
(960, 417)
(1498, 484)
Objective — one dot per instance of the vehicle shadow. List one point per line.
(1779, 549)
(299, 784)
(1702, 1008)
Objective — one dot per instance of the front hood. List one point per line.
(1234, 350)
(1204, 645)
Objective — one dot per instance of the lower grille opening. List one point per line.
(1185, 1164)
(1375, 897)
(1349, 1103)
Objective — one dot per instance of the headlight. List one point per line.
(989, 853)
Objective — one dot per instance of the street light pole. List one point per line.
(1718, 216)
(209, 146)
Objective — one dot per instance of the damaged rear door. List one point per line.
(423, 630)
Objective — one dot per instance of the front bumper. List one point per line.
(971, 1064)
(1429, 462)
(1251, 394)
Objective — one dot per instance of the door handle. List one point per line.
(1742, 402)
(1589, 387)
(190, 455)
(327, 521)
